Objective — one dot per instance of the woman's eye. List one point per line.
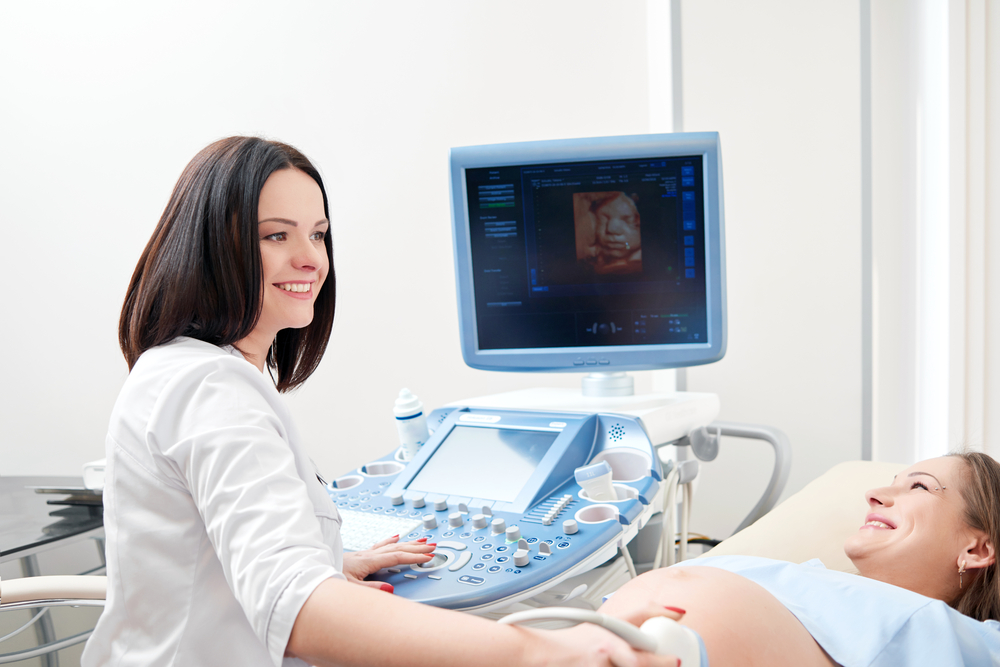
(318, 236)
(918, 485)
(277, 236)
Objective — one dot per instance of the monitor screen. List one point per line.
(482, 462)
(592, 254)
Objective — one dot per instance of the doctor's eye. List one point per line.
(918, 485)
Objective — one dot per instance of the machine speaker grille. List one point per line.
(616, 432)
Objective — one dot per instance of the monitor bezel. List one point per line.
(597, 358)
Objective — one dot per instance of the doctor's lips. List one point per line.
(878, 521)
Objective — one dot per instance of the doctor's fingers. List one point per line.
(625, 657)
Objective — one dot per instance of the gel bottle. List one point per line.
(411, 423)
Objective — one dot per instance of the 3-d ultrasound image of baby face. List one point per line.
(617, 230)
(607, 232)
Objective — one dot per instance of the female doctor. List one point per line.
(223, 546)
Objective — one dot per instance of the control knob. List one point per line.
(570, 527)
(513, 534)
(418, 500)
(396, 499)
(440, 505)
(478, 522)
(455, 519)
(430, 522)
(498, 526)
(521, 557)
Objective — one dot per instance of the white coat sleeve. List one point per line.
(218, 432)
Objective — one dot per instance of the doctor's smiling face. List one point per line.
(291, 227)
(915, 534)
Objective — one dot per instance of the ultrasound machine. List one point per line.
(598, 256)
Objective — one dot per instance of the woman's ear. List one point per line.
(980, 553)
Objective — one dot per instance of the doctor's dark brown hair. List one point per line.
(200, 274)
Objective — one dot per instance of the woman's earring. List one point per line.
(961, 571)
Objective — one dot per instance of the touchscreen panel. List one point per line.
(487, 463)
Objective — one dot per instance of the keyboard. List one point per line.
(361, 530)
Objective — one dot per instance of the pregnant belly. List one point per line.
(741, 623)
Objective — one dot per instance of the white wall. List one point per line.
(780, 80)
(104, 103)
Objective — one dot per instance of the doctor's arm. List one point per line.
(345, 624)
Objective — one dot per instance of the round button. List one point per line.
(531, 540)
(498, 526)
(437, 561)
(450, 533)
(418, 500)
(503, 559)
(465, 536)
(413, 536)
(479, 566)
(502, 548)
(494, 568)
(366, 507)
(513, 534)
(563, 545)
(430, 522)
(570, 527)
(479, 521)
(479, 539)
(440, 505)
(486, 547)
(455, 519)
(487, 556)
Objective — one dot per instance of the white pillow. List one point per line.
(815, 522)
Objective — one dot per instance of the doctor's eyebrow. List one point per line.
(286, 221)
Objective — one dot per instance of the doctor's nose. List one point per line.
(309, 256)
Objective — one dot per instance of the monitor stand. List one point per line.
(666, 416)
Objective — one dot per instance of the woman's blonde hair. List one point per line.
(980, 490)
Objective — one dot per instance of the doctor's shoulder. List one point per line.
(187, 386)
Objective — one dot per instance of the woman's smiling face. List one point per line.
(915, 533)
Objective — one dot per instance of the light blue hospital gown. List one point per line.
(867, 623)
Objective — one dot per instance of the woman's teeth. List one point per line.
(877, 524)
(294, 287)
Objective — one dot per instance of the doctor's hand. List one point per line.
(592, 646)
(387, 553)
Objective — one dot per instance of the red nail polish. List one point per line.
(677, 609)
(394, 536)
(422, 539)
(431, 544)
(678, 662)
(387, 588)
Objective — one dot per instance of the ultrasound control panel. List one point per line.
(494, 489)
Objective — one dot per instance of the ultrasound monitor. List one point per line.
(601, 254)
